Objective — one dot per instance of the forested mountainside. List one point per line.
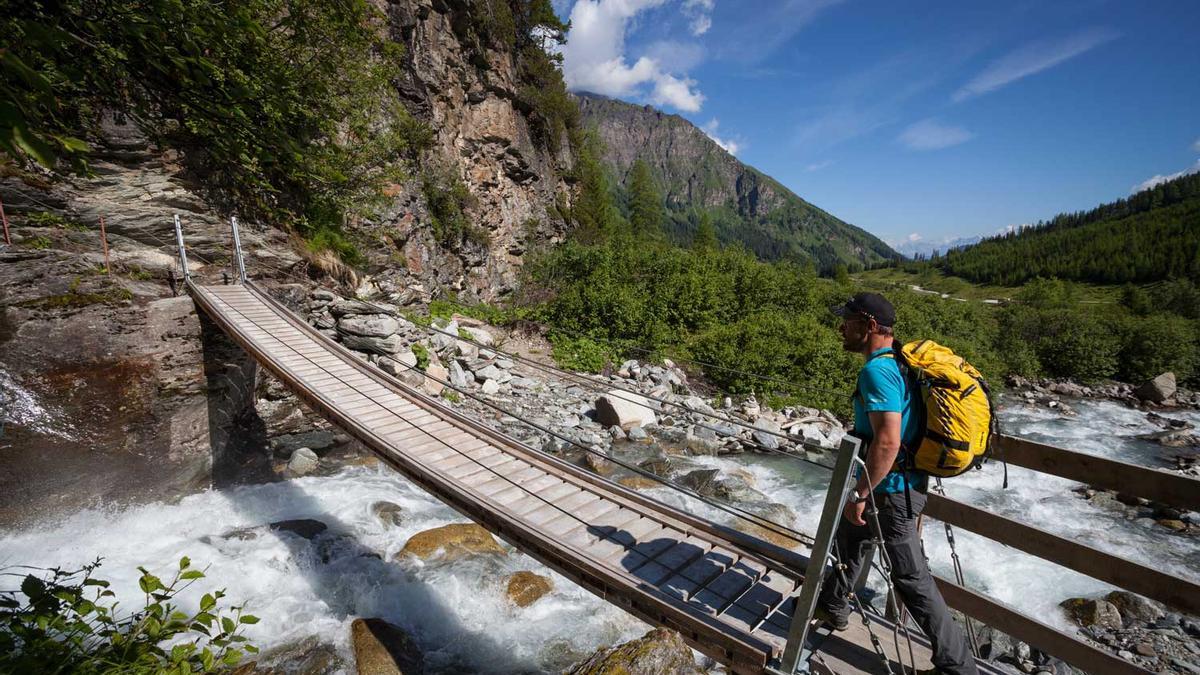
(700, 180)
(1150, 236)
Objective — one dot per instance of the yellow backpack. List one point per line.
(957, 419)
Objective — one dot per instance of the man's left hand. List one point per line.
(854, 512)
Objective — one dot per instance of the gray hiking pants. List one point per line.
(910, 577)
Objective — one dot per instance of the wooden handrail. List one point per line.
(1167, 588)
(1159, 485)
(1031, 631)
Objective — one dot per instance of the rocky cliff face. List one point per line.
(467, 94)
(113, 389)
(748, 206)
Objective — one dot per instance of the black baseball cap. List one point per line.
(871, 305)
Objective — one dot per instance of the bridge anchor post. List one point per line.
(183, 264)
(796, 650)
(237, 250)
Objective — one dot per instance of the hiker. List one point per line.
(886, 418)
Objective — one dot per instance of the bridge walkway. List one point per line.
(730, 595)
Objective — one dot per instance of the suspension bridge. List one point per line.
(743, 601)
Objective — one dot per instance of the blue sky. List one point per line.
(916, 119)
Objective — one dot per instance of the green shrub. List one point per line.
(580, 353)
(1078, 345)
(39, 243)
(68, 621)
(329, 238)
(1155, 344)
(422, 353)
(51, 219)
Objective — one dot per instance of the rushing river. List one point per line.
(458, 611)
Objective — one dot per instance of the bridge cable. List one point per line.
(761, 521)
(756, 519)
(607, 387)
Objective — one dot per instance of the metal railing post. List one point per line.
(237, 250)
(182, 253)
(104, 244)
(4, 218)
(831, 516)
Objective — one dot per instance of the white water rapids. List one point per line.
(458, 612)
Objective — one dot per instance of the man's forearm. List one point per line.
(881, 455)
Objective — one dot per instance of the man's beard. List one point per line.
(854, 343)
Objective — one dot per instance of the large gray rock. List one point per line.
(766, 433)
(446, 338)
(480, 335)
(340, 308)
(373, 345)
(368, 325)
(303, 462)
(493, 372)
(459, 377)
(624, 409)
(1157, 390)
(1089, 612)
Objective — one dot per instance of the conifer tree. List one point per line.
(595, 216)
(646, 213)
(706, 233)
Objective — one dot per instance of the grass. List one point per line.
(886, 279)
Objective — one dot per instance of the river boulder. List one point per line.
(659, 651)
(454, 541)
(624, 409)
(1092, 612)
(1157, 390)
(381, 648)
(368, 325)
(1134, 607)
(302, 462)
(525, 588)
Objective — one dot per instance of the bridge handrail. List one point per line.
(1155, 484)
(1153, 583)
(1043, 636)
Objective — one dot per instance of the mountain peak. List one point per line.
(697, 176)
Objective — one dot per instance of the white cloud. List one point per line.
(677, 92)
(729, 145)
(1196, 145)
(914, 237)
(1158, 179)
(1031, 59)
(929, 134)
(700, 14)
(594, 56)
(817, 166)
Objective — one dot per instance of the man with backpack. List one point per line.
(888, 417)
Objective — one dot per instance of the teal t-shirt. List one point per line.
(881, 388)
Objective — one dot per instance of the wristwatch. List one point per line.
(858, 499)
